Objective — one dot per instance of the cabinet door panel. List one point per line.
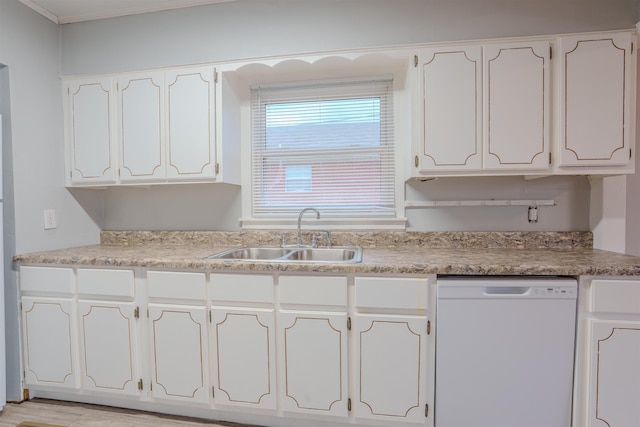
(391, 376)
(107, 331)
(451, 100)
(49, 344)
(90, 136)
(178, 337)
(595, 85)
(315, 353)
(615, 374)
(191, 123)
(245, 374)
(516, 101)
(141, 100)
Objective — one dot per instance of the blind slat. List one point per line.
(326, 145)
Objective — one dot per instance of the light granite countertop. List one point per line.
(540, 253)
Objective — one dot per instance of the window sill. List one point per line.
(330, 223)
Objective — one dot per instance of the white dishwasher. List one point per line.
(504, 351)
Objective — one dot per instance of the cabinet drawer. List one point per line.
(169, 284)
(616, 296)
(312, 290)
(390, 292)
(106, 282)
(46, 279)
(241, 288)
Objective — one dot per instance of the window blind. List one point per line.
(326, 145)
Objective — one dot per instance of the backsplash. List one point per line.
(389, 239)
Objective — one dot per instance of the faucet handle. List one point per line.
(327, 236)
(283, 240)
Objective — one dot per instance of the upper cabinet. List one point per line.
(546, 106)
(147, 127)
(596, 97)
(90, 132)
(484, 108)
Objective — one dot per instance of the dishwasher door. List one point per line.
(504, 352)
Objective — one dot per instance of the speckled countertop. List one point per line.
(468, 253)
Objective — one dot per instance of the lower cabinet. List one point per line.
(610, 337)
(294, 346)
(314, 346)
(177, 331)
(390, 378)
(244, 357)
(178, 352)
(615, 373)
(243, 341)
(49, 342)
(108, 347)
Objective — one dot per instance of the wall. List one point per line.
(33, 176)
(257, 28)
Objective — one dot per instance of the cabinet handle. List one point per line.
(349, 404)
(348, 323)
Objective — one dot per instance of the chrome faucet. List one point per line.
(299, 238)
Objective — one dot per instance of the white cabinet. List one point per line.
(596, 87)
(391, 374)
(313, 340)
(141, 136)
(191, 138)
(245, 375)
(89, 106)
(394, 351)
(49, 342)
(451, 102)
(608, 353)
(177, 329)
(179, 352)
(107, 318)
(109, 346)
(155, 126)
(615, 373)
(484, 108)
(48, 327)
(244, 369)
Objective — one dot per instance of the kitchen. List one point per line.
(37, 52)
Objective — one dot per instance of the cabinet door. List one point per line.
(180, 352)
(314, 345)
(108, 339)
(191, 147)
(141, 107)
(89, 131)
(451, 91)
(244, 368)
(596, 93)
(391, 377)
(614, 374)
(516, 106)
(49, 344)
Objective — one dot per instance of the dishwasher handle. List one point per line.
(506, 290)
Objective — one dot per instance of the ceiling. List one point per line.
(66, 11)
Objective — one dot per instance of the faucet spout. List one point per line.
(299, 238)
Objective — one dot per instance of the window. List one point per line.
(326, 145)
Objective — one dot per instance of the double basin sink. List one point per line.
(351, 254)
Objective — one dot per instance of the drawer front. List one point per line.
(391, 293)
(106, 282)
(46, 279)
(241, 288)
(615, 296)
(169, 284)
(313, 290)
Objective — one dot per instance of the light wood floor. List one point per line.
(70, 414)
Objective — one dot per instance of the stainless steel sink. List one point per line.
(326, 254)
(351, 254)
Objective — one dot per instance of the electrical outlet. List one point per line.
(50, 219)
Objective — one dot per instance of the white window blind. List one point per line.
(324, 145)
